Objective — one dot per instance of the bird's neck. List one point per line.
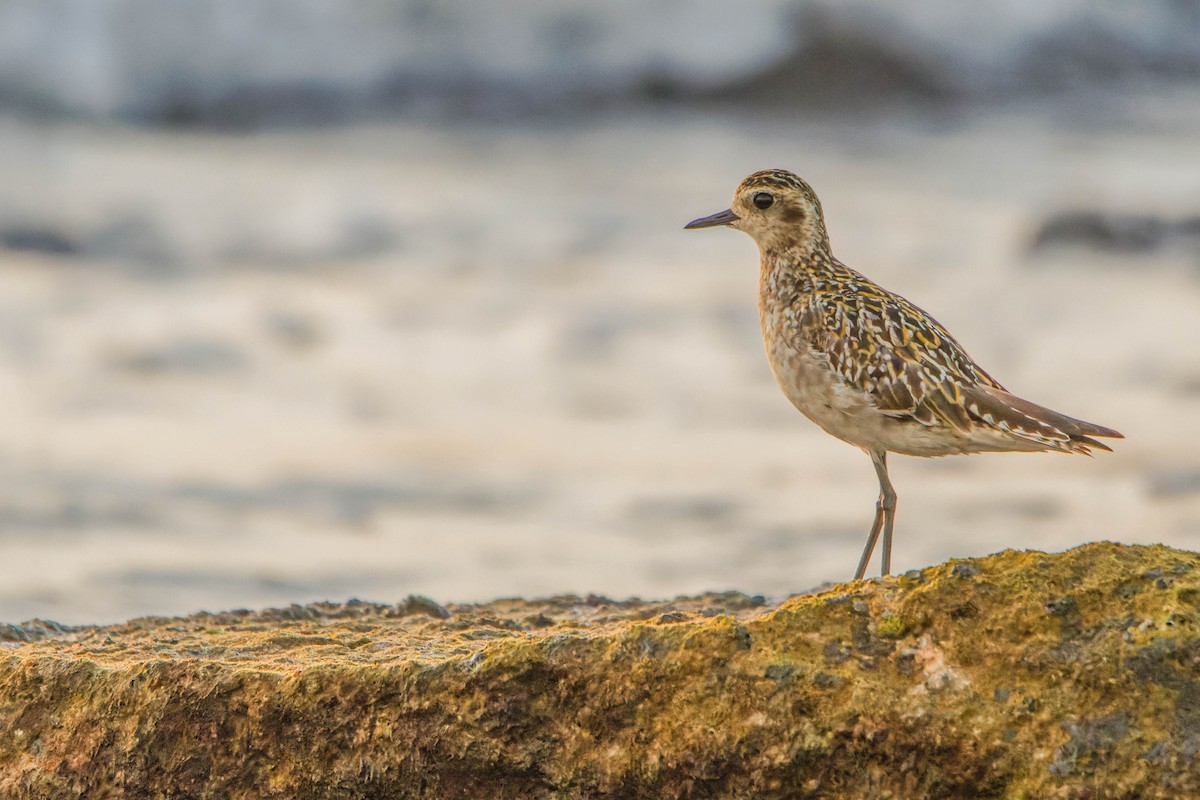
(787, 273)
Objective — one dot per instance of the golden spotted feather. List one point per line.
(913, 369)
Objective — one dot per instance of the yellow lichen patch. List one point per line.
(1018, 675)
(893, 626)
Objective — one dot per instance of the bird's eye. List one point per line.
(763, 200)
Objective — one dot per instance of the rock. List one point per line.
(1075, 675)
(838, 61)
(37, 239)
(1116, 233)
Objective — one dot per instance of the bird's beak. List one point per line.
(726, 217)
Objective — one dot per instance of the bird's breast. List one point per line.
(837, 407)
(814, 388)
(805, 375)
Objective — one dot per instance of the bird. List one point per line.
(868, 366)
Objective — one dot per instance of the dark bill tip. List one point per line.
(726, 217)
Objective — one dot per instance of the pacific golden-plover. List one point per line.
(868, 366)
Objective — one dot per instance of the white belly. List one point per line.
(851, 415)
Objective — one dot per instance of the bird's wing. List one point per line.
(913, 369)
(883, 345)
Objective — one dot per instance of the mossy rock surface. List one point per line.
(1020, 675)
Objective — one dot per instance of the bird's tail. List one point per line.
(1041, 425)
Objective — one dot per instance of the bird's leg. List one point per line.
(886, 506)
(872, 537)
(885, 517)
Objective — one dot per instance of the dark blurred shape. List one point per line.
(1175, 483)
(195, 356)
(35, 629)
(294, 331)
(1094, 49)
(1116, 232)
(248, 107)
(131, 239)
(419, 605)
(142, 242)
(839, 64)
(36, 239)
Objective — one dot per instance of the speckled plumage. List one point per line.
(865, 364)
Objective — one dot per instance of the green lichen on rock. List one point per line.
(1020, 675)
(893, 626)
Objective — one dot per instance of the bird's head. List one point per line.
(779, 211)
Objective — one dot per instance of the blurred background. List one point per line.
(305, 300)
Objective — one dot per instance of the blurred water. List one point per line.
(230, 63)
(480, 360)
